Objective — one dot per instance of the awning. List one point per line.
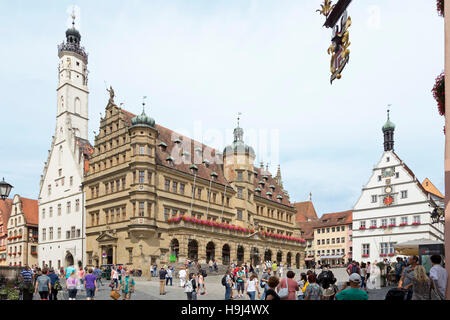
(412, 247)
(332, 257)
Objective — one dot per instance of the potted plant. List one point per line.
(439, 93)
(440, 7)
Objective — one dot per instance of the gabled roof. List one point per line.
(30, 211)
(305, 211)
(431, 188)
(278, 191)
(336, 218)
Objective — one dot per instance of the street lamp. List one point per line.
(5, 189)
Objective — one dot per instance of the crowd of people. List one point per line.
(244, 281)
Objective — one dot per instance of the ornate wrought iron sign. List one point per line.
(338, 20)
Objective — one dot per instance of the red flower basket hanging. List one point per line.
(440, 7)
(439, 93)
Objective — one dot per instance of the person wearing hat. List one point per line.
(354, 292)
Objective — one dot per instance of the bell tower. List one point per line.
(72, 91)
(388, 132)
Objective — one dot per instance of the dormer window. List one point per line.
(177, 141)
(261, 183)
(163, 146)
(206, 162)
(194, 169)
(258, 190)
(265, 178)
(170, 161)
(269, 194)
(214, 176)
(280, 198)
(272, 187)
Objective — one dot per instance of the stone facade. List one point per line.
(146, 183)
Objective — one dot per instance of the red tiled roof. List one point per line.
(87, 150)
(168, 137)
(305, 211)
(270, 182)
(336, 218)
(5, 211)
(30, 210)
(431, 188)
(308, 229)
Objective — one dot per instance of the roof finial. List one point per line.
(143, 103)
(388, 111)
(73, 17)
(310, 196)
(239, 118)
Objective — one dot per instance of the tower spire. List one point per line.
(388, 132)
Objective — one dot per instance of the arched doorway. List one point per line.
(210, 251)
(69, 259)
(174, 250)
(297, 260)
(240, 255)
(279, 257)
(226, 254)
(254, 256)
(193, 250)
(268, 255)
(288, 259)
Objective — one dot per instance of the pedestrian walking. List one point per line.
(302, 284)
(43, 285)
(162, 280)
(71, 285)
(169, 277)
(252, 287)
(313, 290)
(115, 276)
(210, 265)
(408, 276)
(257, 269)
(263, 283)
(271, 294)
(420, 283)
(190, 287)
(90, 284)
(98, 273)
(127, 285)
(274, 269)
(240, 282)
(81, 275)
(399, 266)
(201, 284)
(363, 276)
(290, 284)
(182, 276)
(439, 276)
(216, 268)
(368, 270)
(227, 283)
(56, 285)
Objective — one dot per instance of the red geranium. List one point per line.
(439, 93)
(440, 7)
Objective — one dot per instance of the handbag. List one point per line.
(57, 286)
(284, 292)
(115, 294)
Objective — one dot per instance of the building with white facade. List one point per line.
(61, 200)
(394, 207)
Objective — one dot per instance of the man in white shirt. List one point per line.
(439, 275)
(182, 276)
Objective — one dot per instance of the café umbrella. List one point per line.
(412, 247)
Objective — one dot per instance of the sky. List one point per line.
(201, 62)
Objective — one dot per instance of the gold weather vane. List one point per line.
(326, 8)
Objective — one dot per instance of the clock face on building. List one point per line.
(388, 200)
(388, 190)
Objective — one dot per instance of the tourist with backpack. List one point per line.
(190, 287)
(353, 268)
(227, 283)
(263, 283)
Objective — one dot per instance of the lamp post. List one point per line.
(5, 189)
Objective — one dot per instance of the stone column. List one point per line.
(183, 248)
(247, 251)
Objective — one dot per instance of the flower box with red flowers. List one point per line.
(416, 223)
(33, 253)
(19, 253)
(383, 227)
(365, 255)
(392, 225)
(403, 224)
(19, 236)
(373, 227)
(383, 255)
(391, 254)
(362, 228)
(10, 254)
(14, 253)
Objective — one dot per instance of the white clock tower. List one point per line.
(61, 200)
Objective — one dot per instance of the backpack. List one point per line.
(188, 287)
(224, 280)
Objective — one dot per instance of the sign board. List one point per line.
(426, 251)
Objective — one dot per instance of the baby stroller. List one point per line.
(396, 294)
